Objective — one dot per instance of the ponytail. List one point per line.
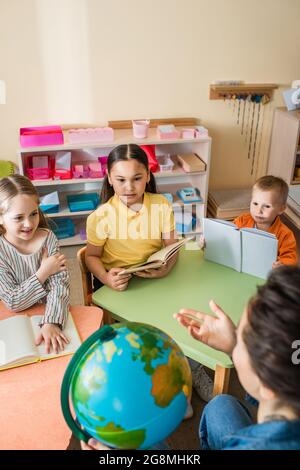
(107, 191)
(151, 186)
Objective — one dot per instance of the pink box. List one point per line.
(42, 172)
(91, 134)
(103, 161)
(168, 131)
(41, 136)
(80, 171)
(188, 133)
(95, 170)
(201, 132)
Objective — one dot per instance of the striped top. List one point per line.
(20, 287)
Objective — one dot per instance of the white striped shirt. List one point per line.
(20, 287)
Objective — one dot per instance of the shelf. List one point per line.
(76, 240)
(81, 152)
(121, 136)
(64, 182)
(157, 175)
(217, 92)
(65, 212)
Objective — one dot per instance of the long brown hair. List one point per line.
(272, 328)
(122, 153)
(12, 186)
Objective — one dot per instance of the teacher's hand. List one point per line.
(217, 331)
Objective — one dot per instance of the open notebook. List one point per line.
(17, 341)
(158, 259)
(246, 250)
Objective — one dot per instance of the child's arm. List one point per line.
(57, 284)
(18, 297)
(109, 278)
(287, 249)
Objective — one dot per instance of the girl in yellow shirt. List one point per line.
(132, 222)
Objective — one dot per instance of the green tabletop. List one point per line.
(192, 283)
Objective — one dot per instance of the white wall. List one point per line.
(90, 61)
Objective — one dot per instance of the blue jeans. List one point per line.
(222, 417)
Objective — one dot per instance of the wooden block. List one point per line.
(191, 162)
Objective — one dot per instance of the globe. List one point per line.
(129, 386)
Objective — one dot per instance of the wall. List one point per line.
(90, 61)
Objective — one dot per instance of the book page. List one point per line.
(17, 341)
(158, 258)
(165, 253)
(259, 251)
(256, 231)
(70, 332)
(222, 243)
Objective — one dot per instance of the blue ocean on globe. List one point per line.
(131, 390)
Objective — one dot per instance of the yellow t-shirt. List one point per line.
(130, 237)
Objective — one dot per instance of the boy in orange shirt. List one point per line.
(269, 196)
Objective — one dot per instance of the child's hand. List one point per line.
(276, 264)
(154, 273)
(51, 265)
(93, 444)
(53, 336)
(116, 281)
(201, 242)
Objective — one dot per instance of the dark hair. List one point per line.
(12, 186)
(123, 153)
(273, 325)
(273, 183)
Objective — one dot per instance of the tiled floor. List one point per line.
(186, 435)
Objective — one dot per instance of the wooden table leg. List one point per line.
(221, 381)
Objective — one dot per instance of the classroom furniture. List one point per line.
(82, 156)
(30, 409)
(86, 277)
(218, 91)
(192, 283)
(228, 204)
(284, 154)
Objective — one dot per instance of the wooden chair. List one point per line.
(86, 277)
(87, 285)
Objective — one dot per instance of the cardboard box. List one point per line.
(191, 162)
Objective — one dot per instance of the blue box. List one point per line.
(83, 202)
(63, 228)
(49, 208)
(189, 195)
(168, 196)
(184, 222)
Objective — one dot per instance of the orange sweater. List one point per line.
(287, 249)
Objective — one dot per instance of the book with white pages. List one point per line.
(246, 250)
(17, 341)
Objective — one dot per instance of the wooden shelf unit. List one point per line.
(284, 146)
(217, 92)
(90, 152)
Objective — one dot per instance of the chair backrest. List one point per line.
(86, 277)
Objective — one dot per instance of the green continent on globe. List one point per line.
(86, 384)
(170, 379)
(119, 437)
(149, 348)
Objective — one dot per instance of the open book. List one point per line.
(17, 341)
(247, 250)
(158, 259)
